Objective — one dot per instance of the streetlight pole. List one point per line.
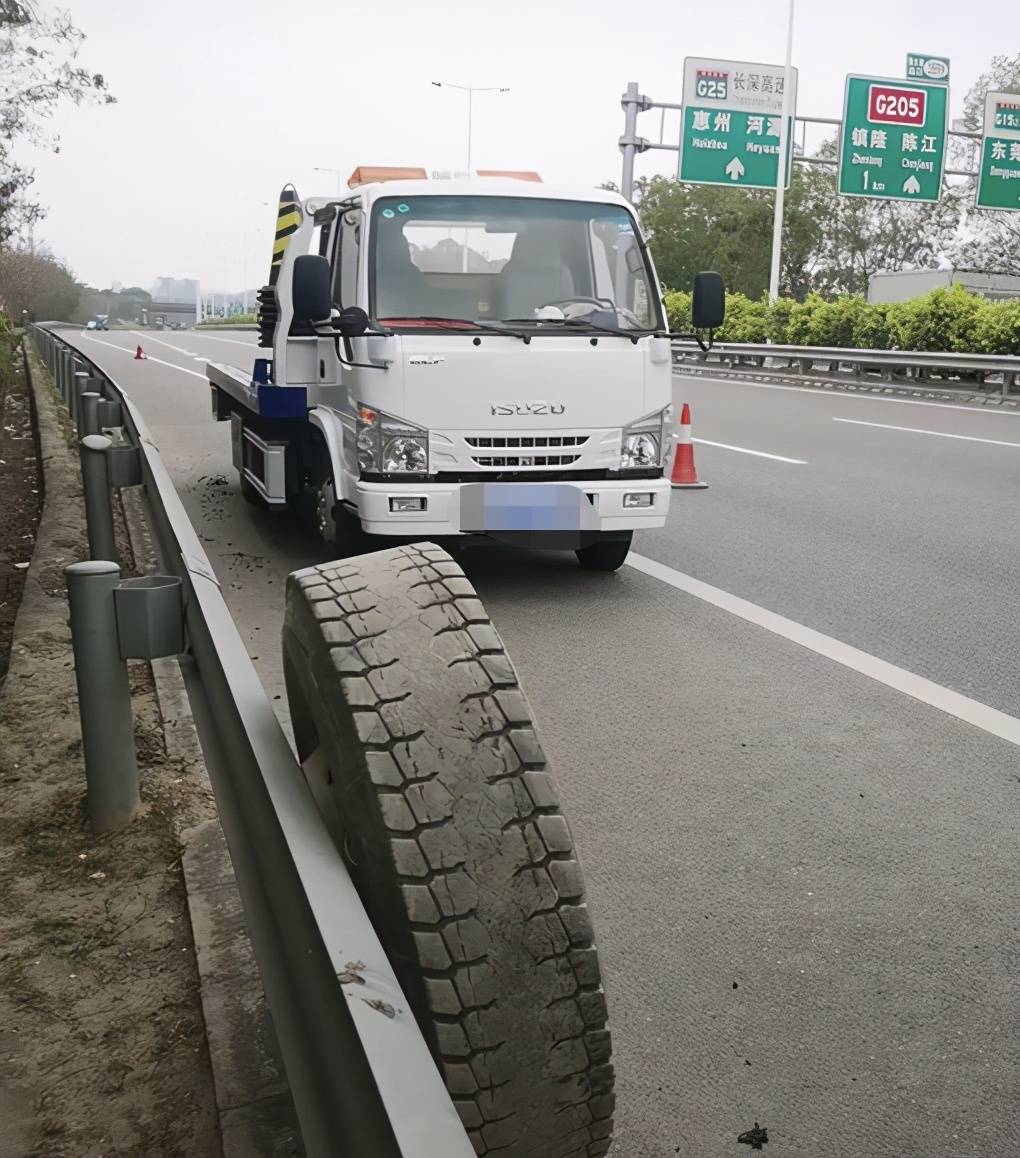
(784, 147)
(337, 173)
(470, 90)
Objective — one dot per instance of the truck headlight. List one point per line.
(639, 450)
(389, 445)
(405, 454)
(641, 444)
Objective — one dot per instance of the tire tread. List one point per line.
(511, 1104)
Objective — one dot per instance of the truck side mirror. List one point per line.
(353, 322)
(708, 308)
(310, 291)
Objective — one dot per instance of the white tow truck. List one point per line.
(474, 357)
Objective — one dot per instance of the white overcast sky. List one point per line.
(222, 101)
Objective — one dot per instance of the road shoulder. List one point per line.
(102, 1032)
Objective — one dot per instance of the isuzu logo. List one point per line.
(509, 409)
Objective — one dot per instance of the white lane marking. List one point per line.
(233, 341)
(860, 397)
(936, 433)
(756, 453)
(970, 711)
(152, 337)
(169, 345)
(148, 357)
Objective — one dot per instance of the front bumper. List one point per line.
(451, 511)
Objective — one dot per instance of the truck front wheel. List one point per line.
(338, 526)
(605, 554)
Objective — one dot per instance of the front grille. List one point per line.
(535, 442)
(593, 475)
(527, 460)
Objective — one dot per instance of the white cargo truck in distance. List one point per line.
(482, 357)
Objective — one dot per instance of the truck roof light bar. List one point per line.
(515, 174)
(369, 174)
(365, 174)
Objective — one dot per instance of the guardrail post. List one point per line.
(81, 382)
(69, 369)
(61, 373)
(89, 413)
(110, 413)
(104, 696)
(98, 504)
(69, 372)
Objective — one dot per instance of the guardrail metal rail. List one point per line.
(364, 1082)
(913, 366)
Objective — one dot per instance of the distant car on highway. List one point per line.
(91, 324)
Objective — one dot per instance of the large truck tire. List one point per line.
(420, 749)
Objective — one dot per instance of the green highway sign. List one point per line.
(893, 140)
(732, 112)
(999, 175)
(920, 66)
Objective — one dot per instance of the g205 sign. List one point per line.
(896, 106)
(893, 139)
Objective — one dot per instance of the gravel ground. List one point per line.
(20, 494)
(102, 1043)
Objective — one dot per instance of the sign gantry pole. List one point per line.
(781, 168)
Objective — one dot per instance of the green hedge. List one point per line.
(234, 320)
(943, 320)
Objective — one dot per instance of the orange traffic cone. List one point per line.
(139, 354)
(685, 474)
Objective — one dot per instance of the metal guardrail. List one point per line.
(913, 366)
(361, 1075)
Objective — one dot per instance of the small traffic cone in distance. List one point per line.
(139, 354)
(685, 474)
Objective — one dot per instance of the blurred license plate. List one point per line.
(525, 507)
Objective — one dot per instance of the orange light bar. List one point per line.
(366, 174)
(516, 174)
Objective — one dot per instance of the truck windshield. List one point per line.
(492, 259)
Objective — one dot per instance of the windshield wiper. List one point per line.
(578, 323)
(454, 323)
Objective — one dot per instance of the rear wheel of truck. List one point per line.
(605, 554)
(420, 749)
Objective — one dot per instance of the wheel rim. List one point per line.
(325, 504)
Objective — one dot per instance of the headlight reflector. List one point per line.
(407, 455)
(639, 451)
(641, 447)
(389, 445)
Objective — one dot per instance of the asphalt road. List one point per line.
(802, 861)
